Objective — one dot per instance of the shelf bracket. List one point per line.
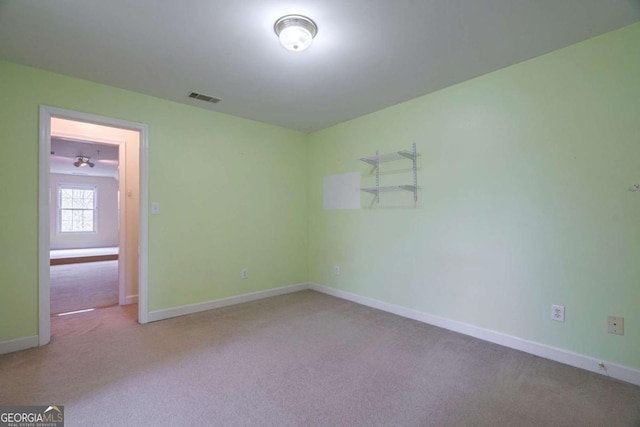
(378, 175)
(415, 173)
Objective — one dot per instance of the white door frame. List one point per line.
(44, 168)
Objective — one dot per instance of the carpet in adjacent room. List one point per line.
(84, 285)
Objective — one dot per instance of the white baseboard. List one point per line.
(613, 370)
(19, 344)
(223, 302)
(130, 299)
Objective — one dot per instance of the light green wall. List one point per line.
(524, 201)
(233, 194)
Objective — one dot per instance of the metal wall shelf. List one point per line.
(376, 190)
(389, 157)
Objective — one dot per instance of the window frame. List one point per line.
(76, 186)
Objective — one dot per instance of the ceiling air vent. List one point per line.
(205, 98)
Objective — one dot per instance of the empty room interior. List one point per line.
(321, 213)
(84, 241)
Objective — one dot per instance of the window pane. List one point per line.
(77, 209)
(76, 215)
(65, 198)
(87, 200)
(65, 215)
(87, 221)
(74, 198)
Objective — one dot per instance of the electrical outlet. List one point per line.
(616, 325)
(245, 273)
(557, 313)
(337, 270)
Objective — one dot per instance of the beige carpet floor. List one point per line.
(303, 359)
(113, 318)
(85, 285)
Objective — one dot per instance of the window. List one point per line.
(77, 208)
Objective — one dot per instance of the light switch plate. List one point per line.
(155, 208)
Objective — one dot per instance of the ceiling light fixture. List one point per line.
(83, 161)
(295, 31)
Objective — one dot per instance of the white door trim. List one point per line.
(123, 259)
(46, 113)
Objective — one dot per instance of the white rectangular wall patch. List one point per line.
(342, 191)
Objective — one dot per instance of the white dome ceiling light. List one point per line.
(295, 32)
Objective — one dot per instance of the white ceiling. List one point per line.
(368, 54)
(64, 153)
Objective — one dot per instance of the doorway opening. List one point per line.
(93, 217)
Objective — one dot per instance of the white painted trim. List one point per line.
(224, 302)
(19, 344)
(143, 233)
(130, 299)
(613, 370)
(46, 113)
(80, 138)
(122, 224)
(44, 244)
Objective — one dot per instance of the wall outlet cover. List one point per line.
(557, 313)
(616, 325)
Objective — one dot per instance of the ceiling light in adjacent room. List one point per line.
(295, 31)
(83, 161)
